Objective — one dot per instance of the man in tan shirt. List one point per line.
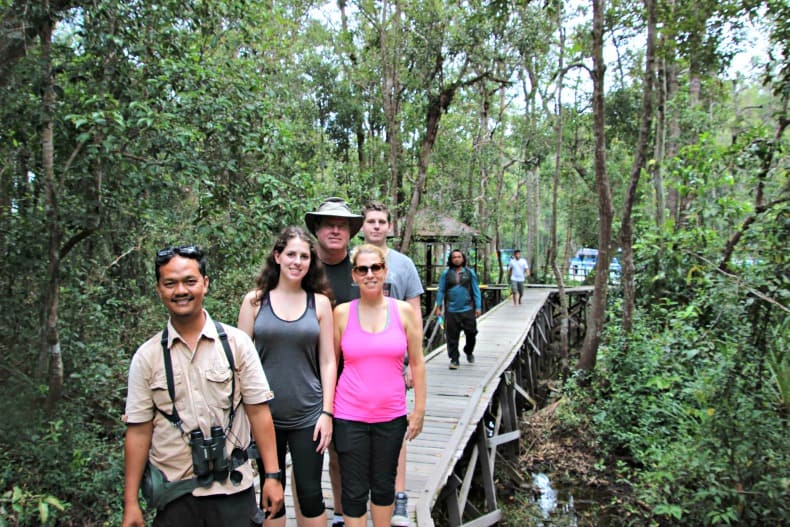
(207, 396)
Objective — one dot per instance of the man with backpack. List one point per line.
(463, 305)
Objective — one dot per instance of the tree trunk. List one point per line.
(391, 91)
(553, 245)
(640, 159)
(672, 146)
(533, 217)
(504, 205)
(657, 170)
(480, 149)
(50, 360)
(597, 312)
(436, 105)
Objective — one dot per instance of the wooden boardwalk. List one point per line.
(456, 403)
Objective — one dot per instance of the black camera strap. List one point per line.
(174, 417)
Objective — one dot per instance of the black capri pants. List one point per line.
(307, 466)
(368, 455)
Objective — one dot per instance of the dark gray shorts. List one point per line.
(228, 510)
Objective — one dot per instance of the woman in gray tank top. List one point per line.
(289, 317)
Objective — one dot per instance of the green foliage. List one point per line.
(693, 400)
(684, 405)
(218, 123)
(18, 507)
(692, 397)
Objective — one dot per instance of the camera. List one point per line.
(209, 459)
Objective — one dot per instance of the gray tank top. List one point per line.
(289, 354)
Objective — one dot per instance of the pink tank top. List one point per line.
(371, 389)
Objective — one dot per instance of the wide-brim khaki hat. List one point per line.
(335, 208)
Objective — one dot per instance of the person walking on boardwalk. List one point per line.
(458, 285)
(403, 283)
(289, 316)
(517, 272)
(333, 224)
(196, 392)
(371, 335)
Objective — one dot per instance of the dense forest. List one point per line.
(131, 125)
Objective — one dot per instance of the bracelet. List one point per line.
(330, 414)
(272, 475)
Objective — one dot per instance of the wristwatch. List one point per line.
(272, 475)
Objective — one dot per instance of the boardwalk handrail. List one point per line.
(472, 414)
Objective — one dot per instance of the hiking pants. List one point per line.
(455, 322)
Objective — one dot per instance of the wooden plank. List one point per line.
(501, 439)
(485, 520)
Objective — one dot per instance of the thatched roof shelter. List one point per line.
(432, 226)
(440, 234)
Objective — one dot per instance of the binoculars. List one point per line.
(209, 458)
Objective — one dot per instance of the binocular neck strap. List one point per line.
(173, 417)
(223, 337)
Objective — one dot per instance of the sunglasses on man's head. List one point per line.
(362, 270)
(187, 251)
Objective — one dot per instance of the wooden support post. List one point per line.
(454, 513)
(466, 483)
(507, 400)
(486, 467)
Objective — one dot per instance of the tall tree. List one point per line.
(640, 160)
(391, 42)
(451, 43)
(551, 256)
(597, 312)
(50, 358)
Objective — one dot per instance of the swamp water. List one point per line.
(559, 506)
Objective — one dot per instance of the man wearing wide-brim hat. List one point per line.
(333, 225)
(333, 208)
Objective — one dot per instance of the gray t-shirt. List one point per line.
(289, 355)
(403, 281)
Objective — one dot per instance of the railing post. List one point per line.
(486, 467)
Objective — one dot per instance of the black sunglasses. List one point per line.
(187, 251)
(363, 269)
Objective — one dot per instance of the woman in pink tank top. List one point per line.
(372, 334)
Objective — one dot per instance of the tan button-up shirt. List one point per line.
(202, 382)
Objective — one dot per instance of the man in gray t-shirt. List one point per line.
(402, 283)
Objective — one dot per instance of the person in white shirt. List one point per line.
(517, 272)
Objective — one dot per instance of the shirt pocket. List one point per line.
(160, 393)
(218, 387)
